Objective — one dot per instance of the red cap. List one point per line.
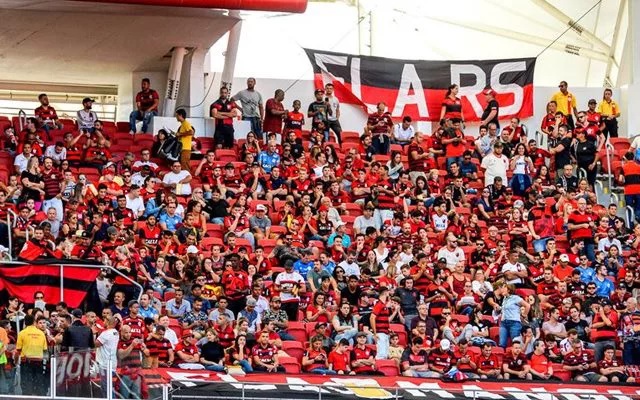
(323, 208)
(187, 333)
(489, 92)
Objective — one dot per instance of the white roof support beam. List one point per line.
(569, 22)
(562, 46)
(614, 46)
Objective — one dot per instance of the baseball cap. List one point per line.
(445, 344)
(489, 92)
(112, 230)
(261, 207)
(88, 99)
(323, 208)
(518, 204)
(187, 333)
(229, 166)
(192, 249)
(622, 285)
(251, 302)
(361, 334)
(564, 258)
(592, 101)
(442, 259)
(318, 91)
(76, 313)
(320, 325)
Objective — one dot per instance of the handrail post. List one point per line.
(10, 230)
(21, 115)
(53, 375)
(609, 146)
(61, 282)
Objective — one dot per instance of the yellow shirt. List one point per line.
(185, 126)
(32, 343)
(608, 109)
(566, 103)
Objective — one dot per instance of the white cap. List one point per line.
(518, 204)
(445, 344)
(192, 249)
(564, 258)
(261, 207)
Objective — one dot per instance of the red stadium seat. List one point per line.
(298, 330)
(293, 349)
(290, 364)
(226, 155)
(401, 331)
(387, 367)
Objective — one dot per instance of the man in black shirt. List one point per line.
(586, 155)
(566, 180)
(560, 149)
(352, 292)
(491, 111)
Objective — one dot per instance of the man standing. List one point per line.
(379, 321)
(185, 135)
(631, 180)
(223, 111)
(30, 348)
(146, 107)
(495, 165)
(333, 119)
(78, 336)
(491, 111)
(251, 106)
(380, 126)
(566, 103)
(274, 113)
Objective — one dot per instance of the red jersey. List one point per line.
(578, 218)
(294, 122)
(382, 313)
(146, 99)
(339, 362)
(362, 354)
(138, 329)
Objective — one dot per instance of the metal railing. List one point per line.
(609, 149)
(22, 119)
(10, 226)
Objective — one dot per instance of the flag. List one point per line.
(417, 87)
(23, 280)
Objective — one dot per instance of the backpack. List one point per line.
(171, 148)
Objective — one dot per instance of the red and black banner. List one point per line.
(417, 87)
(23, 280)
(191, 385)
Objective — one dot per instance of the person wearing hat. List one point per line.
(440, 359)
(77, 336)
(566, 103)
(491, 110)
(187, 355)
(260, 223)
(363, 358)
(87, 117)
(495, 165)
(604, 327)
(319, 111)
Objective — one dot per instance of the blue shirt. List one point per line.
(329, 267)
(268, 160)
(150, 312)
(586, 274)
(171, 222)
(604, 287)
(303, 268)
(468, 168)
(511, 308)
(346, 240)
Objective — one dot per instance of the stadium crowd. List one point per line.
(387, 251)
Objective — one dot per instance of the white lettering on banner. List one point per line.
(72, 366)
(423, 389)
(187, 378)
(239, 385)
(301, 385)
(356, 86)
(520, 395)
(476, 392)
(581, 394)
(410, 80)
(518, 92)
(323, 59)
(617, 394)
(470, 92)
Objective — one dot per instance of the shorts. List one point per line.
(592, 377)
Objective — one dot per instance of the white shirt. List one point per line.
(21, 161)
(403, 135)
(335, 106)
(136, 205)
(171, 336)
(350, 269)
(604, 244)
(517, 267)
(182, 189)
(495, 166)
(109, 339)
(361, 223)
(51, 152)
(289, 280)
(452, 257)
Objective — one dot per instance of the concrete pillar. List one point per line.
(631, 92)
(173, 81)
(231, 53)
